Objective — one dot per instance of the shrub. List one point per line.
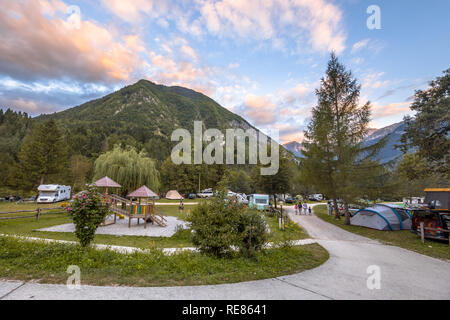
(252, 229)
(87, 212)
(220, 224)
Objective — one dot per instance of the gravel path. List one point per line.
(404, 275)
(120, 228)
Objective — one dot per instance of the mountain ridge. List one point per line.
(388, 153)
(143, 114)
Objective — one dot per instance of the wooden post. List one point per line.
(38, 213)
(422, 233)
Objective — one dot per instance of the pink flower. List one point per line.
(84, 196)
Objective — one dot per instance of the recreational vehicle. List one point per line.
(49, 193)
(259, 201)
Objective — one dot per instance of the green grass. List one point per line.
(178, 201)
(47, 263)
(28, 227)
(404, 238)
(291, 232)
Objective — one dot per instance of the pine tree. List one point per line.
(334, 149)
(429, 130)
(43, 154)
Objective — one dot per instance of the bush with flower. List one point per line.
(87, 212)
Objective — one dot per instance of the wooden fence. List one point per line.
(36, 213)
(423, 229)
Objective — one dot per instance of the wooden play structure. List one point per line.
(142, 208)
(106, 182)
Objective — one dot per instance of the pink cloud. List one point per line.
(38, 42)
(392, 109)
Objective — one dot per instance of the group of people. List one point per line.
(299, 207)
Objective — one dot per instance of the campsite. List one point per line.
(224, 150)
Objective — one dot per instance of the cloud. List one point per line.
(290, 132)
(372, 80)
(29, 106)
(359, 45)
(300, 93)
(134, 11)
(260, 109)
(38, 43)
(391, 109)
(319, 22)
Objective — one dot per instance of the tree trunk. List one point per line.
(42, 180)
(347, 214)
(275, 200)
(336, 209)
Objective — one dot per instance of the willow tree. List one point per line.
(131, 169)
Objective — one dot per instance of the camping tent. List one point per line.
(173, 195)
(382, 217)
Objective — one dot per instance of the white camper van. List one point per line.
(49, 193)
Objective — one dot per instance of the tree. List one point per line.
(131, 169)
(278, 183)
(80, 168)
(414, 176)
(334, 137)
(182, 177)
(238, 181)
(429, 129)
(43, 154)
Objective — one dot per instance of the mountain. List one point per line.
(294, 147)
(143, 114)
(386, 154)
(393, 133)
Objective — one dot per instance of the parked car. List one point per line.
(191, 196)
(289, 200)
(431, 219)
(206, 193)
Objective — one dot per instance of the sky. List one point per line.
(261, 59)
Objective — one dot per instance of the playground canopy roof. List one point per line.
(143, 192)
(106, 182)
(173, 195)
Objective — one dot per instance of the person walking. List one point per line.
(305, 207)
(309, 210)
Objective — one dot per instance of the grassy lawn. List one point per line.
(28, 227)
(404, 239)
(292, 232)
(163, 200)
(47, 263)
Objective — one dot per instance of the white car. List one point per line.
(207, 193)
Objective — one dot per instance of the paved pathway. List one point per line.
(404, 275)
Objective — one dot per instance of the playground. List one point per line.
(121, 228)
